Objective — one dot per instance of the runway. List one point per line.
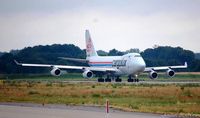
(62, 111)
(140, 82)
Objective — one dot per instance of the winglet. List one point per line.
(186, 64)
(17, 62)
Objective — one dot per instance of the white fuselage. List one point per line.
(128, 64)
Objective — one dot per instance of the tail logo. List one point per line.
(89, 46)
(90, 51)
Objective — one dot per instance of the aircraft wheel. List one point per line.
(135, 80)
(118, 80)
(130, 80)
(100, 80)
(107, 80)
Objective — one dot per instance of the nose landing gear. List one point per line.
(133, 79)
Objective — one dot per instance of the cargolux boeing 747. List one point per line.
(109, 68)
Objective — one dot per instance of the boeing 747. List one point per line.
(109, 68)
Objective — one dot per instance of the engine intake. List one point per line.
(153, 75)
(170, 73)
(56, 72)
(87, 74)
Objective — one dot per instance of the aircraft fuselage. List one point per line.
(128, 64)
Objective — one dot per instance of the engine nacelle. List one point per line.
(87, 74)
(56, 72)
(153, 75)
(170, 73)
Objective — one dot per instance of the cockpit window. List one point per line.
(137, 56)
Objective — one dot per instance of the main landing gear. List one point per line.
(118, 79)
(108, 79)
(100, 80)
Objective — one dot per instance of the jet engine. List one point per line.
(153, 75)
(87, 74)
(56, 72)
(170, 73)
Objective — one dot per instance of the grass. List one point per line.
(41, 77)
(78, 76)
(171, 99)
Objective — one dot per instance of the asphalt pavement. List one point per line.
(15, 110)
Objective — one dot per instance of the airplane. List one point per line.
(108, 68)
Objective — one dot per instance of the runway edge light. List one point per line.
(107, 108)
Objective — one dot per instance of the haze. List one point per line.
(120, 24)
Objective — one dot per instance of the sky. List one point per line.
(119, 24)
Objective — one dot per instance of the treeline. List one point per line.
(1, 53)
(49, 54)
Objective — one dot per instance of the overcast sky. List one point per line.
(120, 24)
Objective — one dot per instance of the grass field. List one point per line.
(170, 99)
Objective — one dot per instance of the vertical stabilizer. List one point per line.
(90, 50)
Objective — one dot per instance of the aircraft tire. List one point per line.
(100, 80)
(135, 80)
(130, 80)
(118, 80)
(107, 80)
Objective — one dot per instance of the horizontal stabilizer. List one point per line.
(17, 63)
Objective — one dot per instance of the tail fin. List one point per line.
(90, 51)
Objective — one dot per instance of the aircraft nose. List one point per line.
(141, 65)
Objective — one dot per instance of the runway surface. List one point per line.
(62, 111)
(140, 82)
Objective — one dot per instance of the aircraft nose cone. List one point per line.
(141, 66)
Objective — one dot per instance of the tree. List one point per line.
(115, 52)
(159, 56)
(165, 55)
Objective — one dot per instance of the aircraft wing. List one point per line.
(74, 59)
(165, 67)
(97, 69)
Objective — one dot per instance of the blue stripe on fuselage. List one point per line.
(108, 65)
